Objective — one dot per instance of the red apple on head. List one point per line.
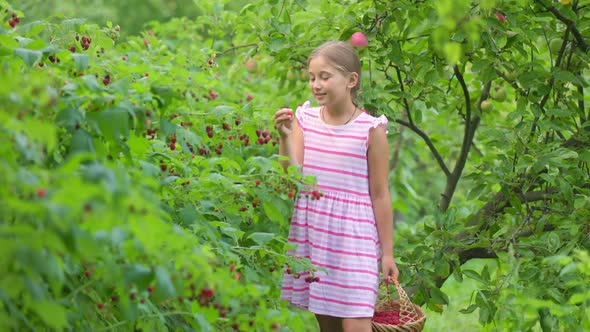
(359, 39)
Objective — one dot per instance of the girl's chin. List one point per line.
(321, 100)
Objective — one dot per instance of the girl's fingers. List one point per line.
(282, 119)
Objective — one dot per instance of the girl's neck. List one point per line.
(337, 110)
(338, 115)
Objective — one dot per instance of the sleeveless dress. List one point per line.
(337, 232)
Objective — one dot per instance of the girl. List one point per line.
(348, 228)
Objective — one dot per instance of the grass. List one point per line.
(459, 294)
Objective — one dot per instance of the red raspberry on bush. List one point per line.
(207, 293)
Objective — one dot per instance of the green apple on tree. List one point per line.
(487, 106)
(498, 93)
(555, 45)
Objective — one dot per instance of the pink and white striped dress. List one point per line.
(336, 232)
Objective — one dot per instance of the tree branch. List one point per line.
(465, 90)
(401, 86)
(581, 105)
(410, 124)
(569, 23)
(471, 124)
(429, 143)
(397, 149)
(471, 253)
(500, 202)
(513, 83)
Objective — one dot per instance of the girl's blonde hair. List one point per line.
(342, 56)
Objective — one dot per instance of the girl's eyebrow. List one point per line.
(322, 72)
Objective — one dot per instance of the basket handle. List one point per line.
(407, 312)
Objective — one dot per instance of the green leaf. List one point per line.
(121, 86)
(92, 83)
(81, 141)
(484, 315)
(566, 76)
(204, 325)
(188, 215)
(578, 298)
(139, 275)
(469, 309)
(476, 191)
(276, 44)
(164, 283)
(30, 57)
(438, 296)
(112, 123)
(442, 268)
(8, 42)
(452, 52)
(221, 111)
(164, 94)
(52, 314)
(81, 61)
(232, 232)
(167, 127)
(190, 137)
(69, 117)
(261, 238)
(272, 212)
(474, 275)
(553, 242)
(149, 169)
(36, 291)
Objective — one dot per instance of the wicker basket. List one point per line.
(411, 316)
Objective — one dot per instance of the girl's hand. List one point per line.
(283, 120)
(389, 268)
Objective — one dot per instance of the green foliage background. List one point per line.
(105, 226)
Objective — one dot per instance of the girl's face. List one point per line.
(328, 84)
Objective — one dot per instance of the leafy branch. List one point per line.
(410, 122)
(569, 23)
(146, 317)
(471, 123)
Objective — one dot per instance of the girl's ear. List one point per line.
(353, 80)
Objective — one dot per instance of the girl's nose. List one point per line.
(316, 85)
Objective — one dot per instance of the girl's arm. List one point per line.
(378, 165)
(290, 138)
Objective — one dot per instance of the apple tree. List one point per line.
(490, 151)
